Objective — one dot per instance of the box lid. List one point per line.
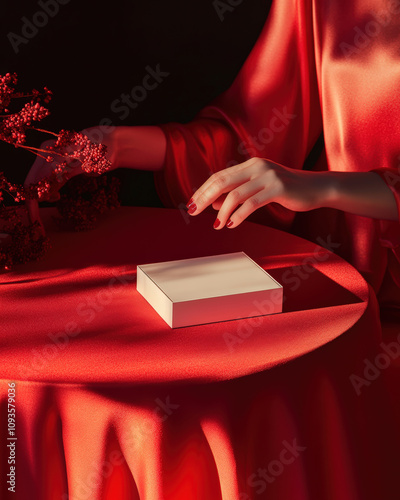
(205, 277)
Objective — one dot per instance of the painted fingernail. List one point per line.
(229, 223)
(216, 223)
(190, 202)
(192, 208)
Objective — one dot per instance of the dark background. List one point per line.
(89, 54)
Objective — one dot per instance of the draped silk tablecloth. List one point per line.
(113, 404)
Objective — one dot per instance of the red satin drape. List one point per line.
(111, 404)
(317, 66)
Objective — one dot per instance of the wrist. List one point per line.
(326, 189)
(332, 190)
(360, 193)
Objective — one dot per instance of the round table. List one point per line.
(113, 403)
(79, 306)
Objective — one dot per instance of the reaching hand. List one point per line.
(238, 191)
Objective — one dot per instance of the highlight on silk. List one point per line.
(200, 250)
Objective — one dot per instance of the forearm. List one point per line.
(360, 193)
(141, 148)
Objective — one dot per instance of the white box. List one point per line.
(209, 289)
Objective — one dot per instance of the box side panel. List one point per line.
(226, 308)
(154, 296)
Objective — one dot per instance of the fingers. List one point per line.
(54, 197)
(250, 205)
(217, 204)
(238, 191)
(33, 214)
(219, 183)
(40, 169)
(247, 194)
(33, 210)
(32, 205)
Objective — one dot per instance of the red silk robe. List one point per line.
(317, 66)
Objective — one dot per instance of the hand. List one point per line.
(238, 191)
(42, 168)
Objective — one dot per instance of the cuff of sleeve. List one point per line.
(390, 230)
(194, 151)
(161, 177)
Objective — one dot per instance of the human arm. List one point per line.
(127, 147)
(238, 191)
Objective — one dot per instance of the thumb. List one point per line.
(33, 214)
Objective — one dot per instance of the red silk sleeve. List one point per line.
(271, 110)
(194, 151)
(316, 65)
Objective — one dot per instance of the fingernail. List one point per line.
(216, 223)
(229, 223)
(189, 203)
(192, 208)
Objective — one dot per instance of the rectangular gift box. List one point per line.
(209, 289)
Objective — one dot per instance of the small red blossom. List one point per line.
(69, 147)
(7, 86)
(13, 127)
